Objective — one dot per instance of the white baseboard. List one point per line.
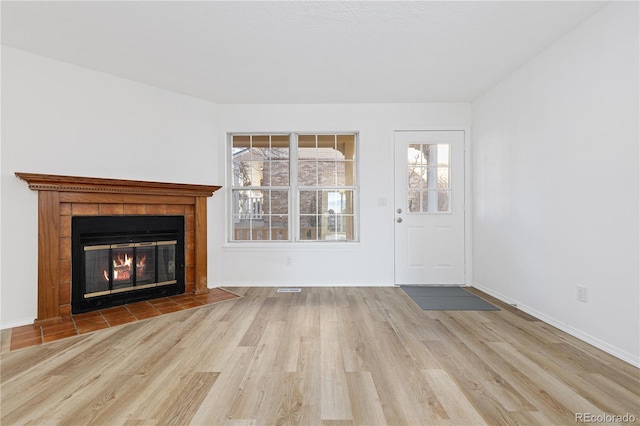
(585, 337)
(227, 284)
(16, 323)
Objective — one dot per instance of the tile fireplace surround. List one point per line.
(61, 197)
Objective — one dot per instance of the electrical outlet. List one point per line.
(288, 260)
(581, 293)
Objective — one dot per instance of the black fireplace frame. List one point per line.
(95, 230)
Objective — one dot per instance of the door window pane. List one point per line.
(443, 201)
(429, 174)
(443, 177)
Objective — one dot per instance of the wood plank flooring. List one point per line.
(32, 335)
(325, 356)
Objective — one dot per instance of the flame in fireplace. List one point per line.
(122, 267)
(140, 264)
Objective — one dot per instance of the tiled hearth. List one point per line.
(33, 335)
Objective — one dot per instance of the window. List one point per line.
(293, 187)
(429, 189)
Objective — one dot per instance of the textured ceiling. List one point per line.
(297, 52)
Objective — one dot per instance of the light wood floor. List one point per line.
(326, 356)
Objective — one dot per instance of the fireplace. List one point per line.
(61, 198)
(124, 259)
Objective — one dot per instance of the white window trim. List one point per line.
(294, 213)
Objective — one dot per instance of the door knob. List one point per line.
(399, 220)
(399, 210)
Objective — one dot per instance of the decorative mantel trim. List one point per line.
(41, 182)
(53, 190)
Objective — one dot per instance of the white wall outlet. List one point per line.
(288, 260)
(581, 293)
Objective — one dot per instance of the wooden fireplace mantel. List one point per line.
(40, 182)
(56, 190)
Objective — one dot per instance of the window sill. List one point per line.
(293, 246)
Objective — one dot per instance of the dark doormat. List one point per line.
(447, 299)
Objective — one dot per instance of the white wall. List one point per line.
(62, 119)
(369, 263)
(555, 184)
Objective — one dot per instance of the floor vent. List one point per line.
(289, 290)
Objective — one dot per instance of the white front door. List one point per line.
(429, 207)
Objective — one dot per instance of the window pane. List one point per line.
(327, 141)
(330, 202)
(443, 154)
(260, 234)
(279, 221)
(237, 152)
(428, 201)
(347, 173)
(335, 227)
(346, 145)
(434, 201)
(241, 228)
(327, 173)
(307, 173)
(276, 173)
(413, 201)
(327, 228)
(279, 228)
(308, 230)
(308, 202)
(237, 174)
(429, 153)
(280, 141)
(338, 228)
(443, 177)
(348, 202)
(247, 173)
(326, 154)
(247, 203)
(278, 202)
(336, 202)
(443, 201)
(418, 177)
(259, 154)
(306, 141)
(415, 156)
(260, 141)
(280, 154)
(241, 141)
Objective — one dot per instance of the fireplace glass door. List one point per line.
(117, 268)
(145, 265)
(96, 277)
(166, 262)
